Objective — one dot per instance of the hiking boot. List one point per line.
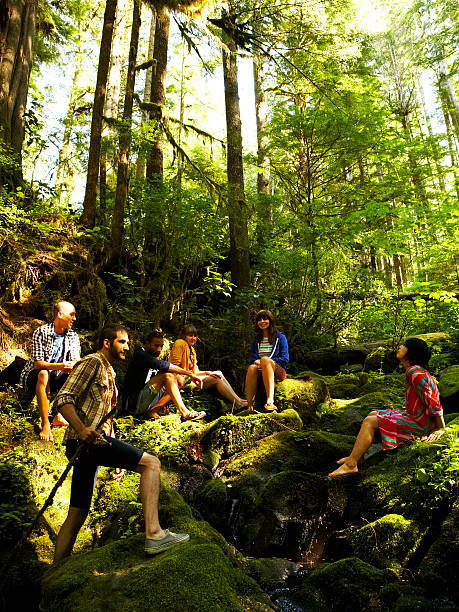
(153, 547)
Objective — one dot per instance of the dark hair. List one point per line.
(272, 329)
(154, 334)
(109, 332)
(418, 352)
(186, 330)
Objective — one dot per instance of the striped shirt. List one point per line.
(43, 340)
(91, 389)
(265, 347)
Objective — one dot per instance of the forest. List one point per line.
(165, 162)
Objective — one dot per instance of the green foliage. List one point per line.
(16, 494)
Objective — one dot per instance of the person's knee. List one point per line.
(265, 362)
(180, 380)
(370, 421)
(42, 378)
(252, 369)
(149, 462)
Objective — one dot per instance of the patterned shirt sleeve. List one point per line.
(38, 344)
(426, 389)
(76, 385)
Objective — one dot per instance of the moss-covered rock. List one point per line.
(403, 597)
(271, 573)
(382, 359)
(387, 542)
(212, 502)
(304, 394)
(305, 451)
(202, 574)
(349, 584)
(448, 381)
(412, 480)
(439, 567)
(230, 435)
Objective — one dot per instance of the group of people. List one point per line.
(87, 397)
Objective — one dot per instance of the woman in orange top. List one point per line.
(183, 352)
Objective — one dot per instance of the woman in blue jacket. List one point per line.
(268, 359)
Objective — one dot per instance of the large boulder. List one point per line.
(304, 394)
(349, 584)
(448, 385)
(382, 359)
(387, 542)
(438, 569)
(202, 574)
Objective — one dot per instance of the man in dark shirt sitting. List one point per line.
(150, 382)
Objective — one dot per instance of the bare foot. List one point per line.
(59, 421)
(249, 408)
(241, 403)
(153, 416)
(344, 470)
(341, 461)
(45, 433)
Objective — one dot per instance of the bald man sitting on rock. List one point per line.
(55, 350)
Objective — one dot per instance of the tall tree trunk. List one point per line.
(264, 209)
(447, 88)
(125, 139)
(158, 93)
(140, 170)
(17, 30)
(64, 166)
(433, 146)
(112, 96)
(88, 216)
(182, 116)
(237, 207)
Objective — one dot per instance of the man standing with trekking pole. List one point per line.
(87, 397)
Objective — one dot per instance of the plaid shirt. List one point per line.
(43, 344)
(91, 389)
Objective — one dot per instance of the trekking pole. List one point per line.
(48, 502)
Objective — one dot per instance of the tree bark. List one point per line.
(88, 216)
(112, 97)
(237, 207)
(125, 140)
(158, 93)
(17, 30)
(264, 208)
(140, 171)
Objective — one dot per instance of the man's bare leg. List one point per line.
(348, 465)
(150, 482)
(68, 532)
(170, 383)
(41, 391)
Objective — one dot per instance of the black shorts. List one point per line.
(56, 379)
(116, 455)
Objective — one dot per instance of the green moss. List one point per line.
(448, 382)
(202, 574)
(230, 435)
(211, 501)
(303, 394)
(348, 584)
(404, 597)
(411, 481)
(439, 566)
(304, 451)
(388, 542)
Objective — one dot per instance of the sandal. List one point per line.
(270, 407)
(193, 416)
